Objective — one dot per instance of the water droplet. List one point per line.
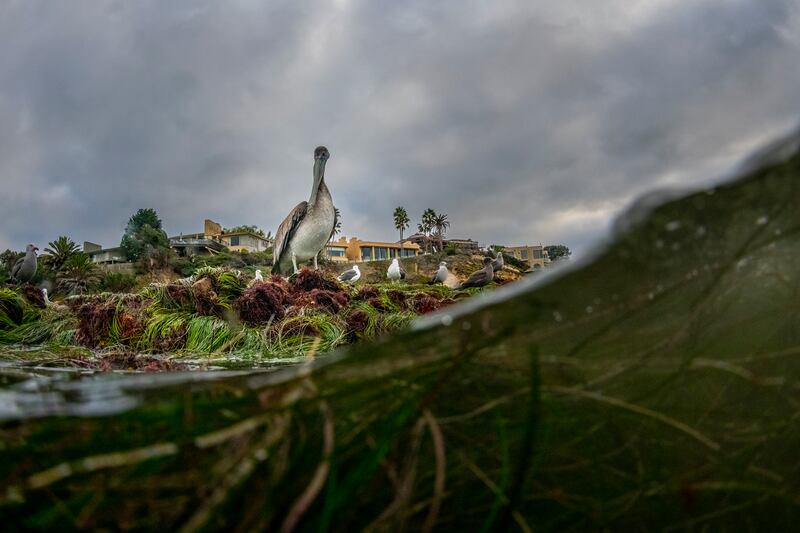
(676, 246)
(650, 295)
(659, 243)
(557, 316)
(466, 326)
(659, 287)
(447, 320)
(589, 309)
(777, 231)
(672, 225)
(700, 231)
(762, 220)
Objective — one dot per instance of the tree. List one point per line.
(59, 251)
(557, 251)
(426, 226)
(401, 220)
(142, 234)
(78, 274)
(245, 229)
(441, 224)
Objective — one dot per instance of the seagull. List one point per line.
(350, 276)
(440, 275)
(481, 277)
(258, 276)
(309, 226)
(395, 271)
(498, 263)
(25, 267)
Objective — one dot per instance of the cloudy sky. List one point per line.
(526, 121)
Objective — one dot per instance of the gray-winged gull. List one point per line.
(481, 277)
(350, 276)
(25, 267)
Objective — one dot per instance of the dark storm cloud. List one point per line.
(524, 121)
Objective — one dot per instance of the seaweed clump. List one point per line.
(307, 280)
(132, 361)
(425, 303)
(95, 318)
(366, 293)
(261, 303)
(34, 296)
(357, 323)
(331, 301)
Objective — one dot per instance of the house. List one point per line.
(213, 240)
(103, 256)
(245, 241)
(357, 251)
(464, 245)
(534, 255)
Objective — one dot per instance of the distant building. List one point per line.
(465, 245)
(356, 251)
(534, 255)
(214, 240)
(103, 256)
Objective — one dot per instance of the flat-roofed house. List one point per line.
(356, 251)
(534, 255)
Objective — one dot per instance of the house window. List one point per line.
(409, 253)
(381, 253)
(336, 252)
(235, 240)
(366, 253)
(524, 254)
(537, 254)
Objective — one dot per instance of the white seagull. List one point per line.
(440, 275)
(395, 272)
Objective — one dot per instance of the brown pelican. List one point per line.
(498, 263)
(350, 276)
(25, 267)
(395, 271)
(440, 275)
(304, 232)
(481, 277)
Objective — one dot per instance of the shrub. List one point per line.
(116, 282)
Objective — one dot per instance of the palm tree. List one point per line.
(59, 251)
(426, 226)
(78, 274)
(401, 221)
(441, 224)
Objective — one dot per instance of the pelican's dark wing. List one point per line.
(335, 221)
(285, 233)
(347, 275)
